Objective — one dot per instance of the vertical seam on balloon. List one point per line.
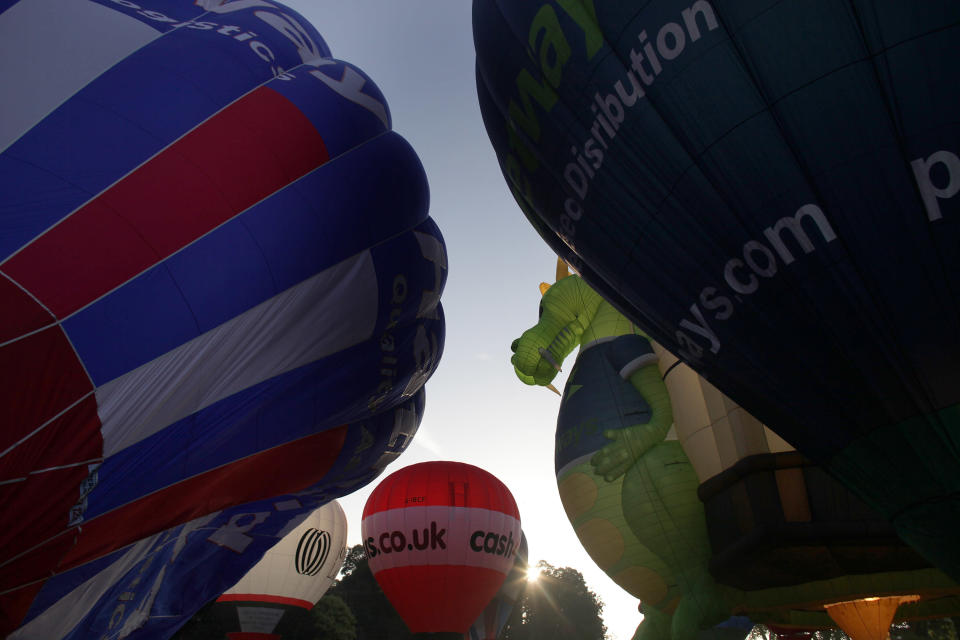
(890, 104)
(810, 182)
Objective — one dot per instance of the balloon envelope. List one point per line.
(215, 256)
(441, 538)
(276, 595)
(770, 190)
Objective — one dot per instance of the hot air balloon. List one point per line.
(149, 589)
(769, 190)
(490, 623)
(777, 538)
(216, 255)
(276, 595)
(441, 538)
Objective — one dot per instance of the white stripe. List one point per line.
(50, 49)
(327, 313)
(459, 525)
(567, 468)
(60, 618)
(596, 341)
(638, 362)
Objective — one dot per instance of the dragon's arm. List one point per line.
(629, 443)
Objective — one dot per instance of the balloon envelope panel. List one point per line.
(769, 190)
(216, 254)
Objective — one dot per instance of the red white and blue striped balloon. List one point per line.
(214, 253)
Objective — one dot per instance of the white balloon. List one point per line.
(304, 564)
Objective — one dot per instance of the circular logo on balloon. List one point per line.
(312, 551)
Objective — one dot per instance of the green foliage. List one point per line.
(559, 606)
(374, 615)
(935, 629)
(932, 629)
(332, 620)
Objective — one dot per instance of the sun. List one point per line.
(533, 574)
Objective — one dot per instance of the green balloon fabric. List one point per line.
(630, 493)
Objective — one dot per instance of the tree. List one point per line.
(333, 620)
(202, 625)
(934, 629)
(558, 606)
(375, 617)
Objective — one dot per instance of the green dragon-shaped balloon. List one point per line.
(629, 490)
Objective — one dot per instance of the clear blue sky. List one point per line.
(420, 53)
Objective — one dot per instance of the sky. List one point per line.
(420, 53)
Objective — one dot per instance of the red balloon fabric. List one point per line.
(441, 538)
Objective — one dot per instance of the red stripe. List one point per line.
(285, 469)
(255, 597)
(441, 483)
(243, 154)
(40, 376)
(14, 607)
(38, 507)
(450, 610)
(21, 313)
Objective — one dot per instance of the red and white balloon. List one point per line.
(441, 538)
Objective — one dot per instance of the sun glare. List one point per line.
(533, 574)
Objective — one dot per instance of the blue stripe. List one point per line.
(128, 114)
(329, 111)
(345, 206)
(329, 392)
(308, 400)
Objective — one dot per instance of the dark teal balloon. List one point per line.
(769, 188)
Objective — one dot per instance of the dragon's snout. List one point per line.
(514, 345)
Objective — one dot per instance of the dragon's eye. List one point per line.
(540, 312)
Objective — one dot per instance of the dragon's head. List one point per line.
(566, 310)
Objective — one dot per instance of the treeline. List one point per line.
(558, 606)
